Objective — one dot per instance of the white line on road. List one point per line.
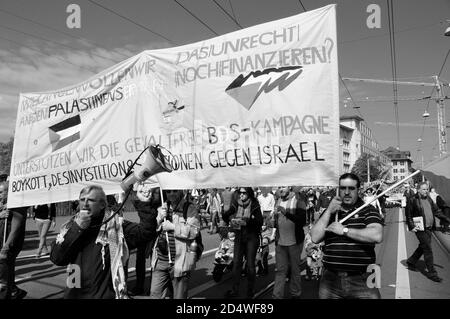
(402, 289)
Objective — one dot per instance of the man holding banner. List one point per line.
(97, 248)
(349, 246)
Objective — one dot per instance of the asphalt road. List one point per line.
(43, 280)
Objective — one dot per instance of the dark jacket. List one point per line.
(79, 247)
(255, 222)
(297, 216)
(414, 209)
(45, 212)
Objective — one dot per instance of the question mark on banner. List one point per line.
(330, 48)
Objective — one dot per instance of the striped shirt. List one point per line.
(341, 253)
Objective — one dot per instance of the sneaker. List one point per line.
(18, 293)
(411, 266)
(231, 294)
(433, 276)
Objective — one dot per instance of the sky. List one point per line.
(39, 52)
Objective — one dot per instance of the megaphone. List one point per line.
(155, 163)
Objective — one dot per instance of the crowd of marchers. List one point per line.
(298, 221)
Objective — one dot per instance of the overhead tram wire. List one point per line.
(226, 12)
(393, 66)
(132, 21)
(59, 58)
(55, 42)
(193, 15)
(301, 3)
(232, 10)
(55, 30)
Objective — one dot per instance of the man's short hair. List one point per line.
(99, 189)
(351, 176)
(423, 183)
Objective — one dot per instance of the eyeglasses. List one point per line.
(243, 193)
(343, 188)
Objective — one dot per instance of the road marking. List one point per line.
(402, 289)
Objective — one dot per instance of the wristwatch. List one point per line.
(345, 231)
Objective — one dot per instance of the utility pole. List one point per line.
(442, 130)
(368, 169)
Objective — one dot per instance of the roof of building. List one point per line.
(351, 117)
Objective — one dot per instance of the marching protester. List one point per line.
(288, 220)
(44, 215)
(12, 231)
(146, 201)
(99, 249)
(349, 247)
(311, 203)
(421, 205)
(245, 218)
(178, 246)
(202, 206)
(267, 202)
(215, 210)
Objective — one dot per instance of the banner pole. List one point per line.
(378, 196)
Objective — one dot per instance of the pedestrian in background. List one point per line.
(44, 216)
(422, 206)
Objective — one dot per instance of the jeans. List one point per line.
(164, 285)
(245, 244)
(140, 267)
(287, 257)
(424, 249)
(341, 285)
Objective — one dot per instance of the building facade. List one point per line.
(401, 162)
(356, 139)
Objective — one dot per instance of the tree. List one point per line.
(360, 168)
(6, 156)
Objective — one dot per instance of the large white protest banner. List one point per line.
(255, 107)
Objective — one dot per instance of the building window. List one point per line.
(402, 170)
(395, 170)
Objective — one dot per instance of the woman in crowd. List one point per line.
(245, 219)
(44, 215)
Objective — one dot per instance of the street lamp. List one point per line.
(426, 114)
(447, 31)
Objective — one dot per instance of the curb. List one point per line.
(443, 240)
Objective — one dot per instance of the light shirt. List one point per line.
(286, 228)
(267, 203)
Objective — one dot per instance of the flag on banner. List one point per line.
(255, 107)
(438, 174)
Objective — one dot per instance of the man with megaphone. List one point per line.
(95, 242)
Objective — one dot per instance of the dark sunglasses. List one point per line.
(343, 188)
(242, 193)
